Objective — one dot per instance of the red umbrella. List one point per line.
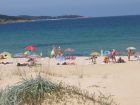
(30, 48)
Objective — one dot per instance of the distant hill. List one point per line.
(23, 18)
(12, 19)
(49, 17)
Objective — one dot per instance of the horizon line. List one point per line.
(77, 15)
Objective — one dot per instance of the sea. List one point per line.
(83, 35)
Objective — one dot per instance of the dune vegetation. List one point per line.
(38, 91)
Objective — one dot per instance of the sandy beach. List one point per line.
(122, 81)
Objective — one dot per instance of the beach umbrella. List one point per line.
(95, 54)
(69, 50)
(131, 48)
(30, 48)
(6, 55)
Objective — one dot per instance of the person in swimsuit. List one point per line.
(113, 55)
(129, 54)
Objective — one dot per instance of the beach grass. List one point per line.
(38, 91)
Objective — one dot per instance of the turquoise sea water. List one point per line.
(83, 35)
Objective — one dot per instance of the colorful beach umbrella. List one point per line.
(30, 48)
(131, 48)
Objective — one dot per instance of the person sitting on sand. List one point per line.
(129, 52)
(5, 63)
(120, 60)
(106, 59)
(66, 63)
(22, 64)
(31, 62)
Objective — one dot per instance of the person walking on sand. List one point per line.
(113, 55)
(129, 54)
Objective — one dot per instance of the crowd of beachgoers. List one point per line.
(98, 71)
(63, 56)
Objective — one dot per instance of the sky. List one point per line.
(91, 8)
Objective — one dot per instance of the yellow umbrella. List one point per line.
(6, 55)
(95, 53)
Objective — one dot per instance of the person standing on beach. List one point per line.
(113, 55)
(93, 58)
(129, 54)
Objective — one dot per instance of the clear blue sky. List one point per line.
(94, 8)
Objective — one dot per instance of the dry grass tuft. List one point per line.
(39, 91)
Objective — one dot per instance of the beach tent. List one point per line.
(6, 55)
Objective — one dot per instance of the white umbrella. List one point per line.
(131, 48)
(95, 53)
